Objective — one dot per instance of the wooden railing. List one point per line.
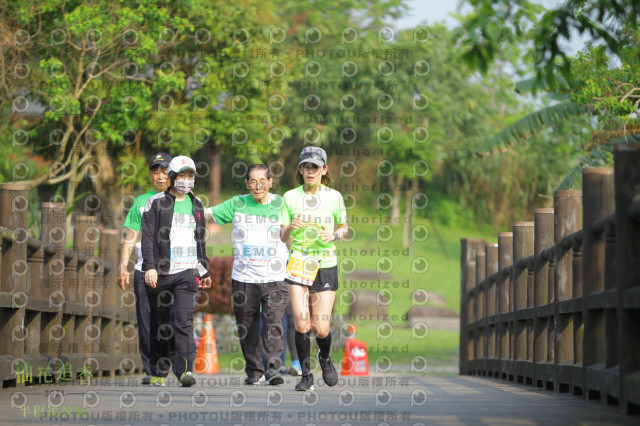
(556, 306)
(61, 311)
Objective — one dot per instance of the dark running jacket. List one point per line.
(156, 231)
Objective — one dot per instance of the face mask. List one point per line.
(184, 186)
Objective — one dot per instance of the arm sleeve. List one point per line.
(200, 232)
(134, 218)
(202, 258)
(148, 235)
(285, 212)
(340, 212)
(223, 213)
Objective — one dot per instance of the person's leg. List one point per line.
(322, 304)
(246, 308)
(172, 342)
(161, 332)
(275, 297)
(263, 360)
(184, 294)
(321, 307)
(154, 324)
(143, 315)
(291, 332)
(302, 320)
(285, 333)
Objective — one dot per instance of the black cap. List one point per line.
(160, 159)
(313, 154)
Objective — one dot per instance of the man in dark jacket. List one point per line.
(158, 169)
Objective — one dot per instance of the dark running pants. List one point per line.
(177, 290)
(248, 298)
(143, 315)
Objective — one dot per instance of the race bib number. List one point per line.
(302, 269)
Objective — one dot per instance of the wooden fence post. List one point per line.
(567, 209)
(480, 292)
(627, 218)
(522, 249)
(85, 237)
(491, 268)
(14, 206)
(505, 258)
(110, 347)
(470, 247)
(597, 190)
(543, 326)
(53, 231)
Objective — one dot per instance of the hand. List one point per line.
(151, 278)
(297, 223)
(205, 282)
(123, 276)
(326, 236)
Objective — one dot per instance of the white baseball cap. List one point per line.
(180, 164)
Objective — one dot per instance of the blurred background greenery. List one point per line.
(460, 128)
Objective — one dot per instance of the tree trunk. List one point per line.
(72, 185)
(106, 187)
(215, 175)
(396, 188)
(408, 216)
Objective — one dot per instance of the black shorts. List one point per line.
(326, 280)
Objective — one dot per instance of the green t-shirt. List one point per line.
(259, 254)
(134, 217)
(134, 221)
(324, 209)
(183, 207)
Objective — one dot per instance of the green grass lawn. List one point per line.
(435, 353)
(406, 273)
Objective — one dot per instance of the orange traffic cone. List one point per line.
(207, 359)
(356, 360)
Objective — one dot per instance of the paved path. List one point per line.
(379, 400)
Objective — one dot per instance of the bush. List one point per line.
(217, 298)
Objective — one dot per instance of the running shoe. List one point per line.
(329, 373)
(187, 379)
(273, 377)
(254, 380)
(296, 368)
(305, 383)
(157, 381)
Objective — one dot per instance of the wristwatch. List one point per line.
(335, 234)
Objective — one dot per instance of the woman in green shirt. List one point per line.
(313, 216)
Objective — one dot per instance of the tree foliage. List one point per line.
(600, 81)
(90, 89)
(496, 24)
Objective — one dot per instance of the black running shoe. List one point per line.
(305, 383)
(273, 377)
(329, 373)
(251, 381)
